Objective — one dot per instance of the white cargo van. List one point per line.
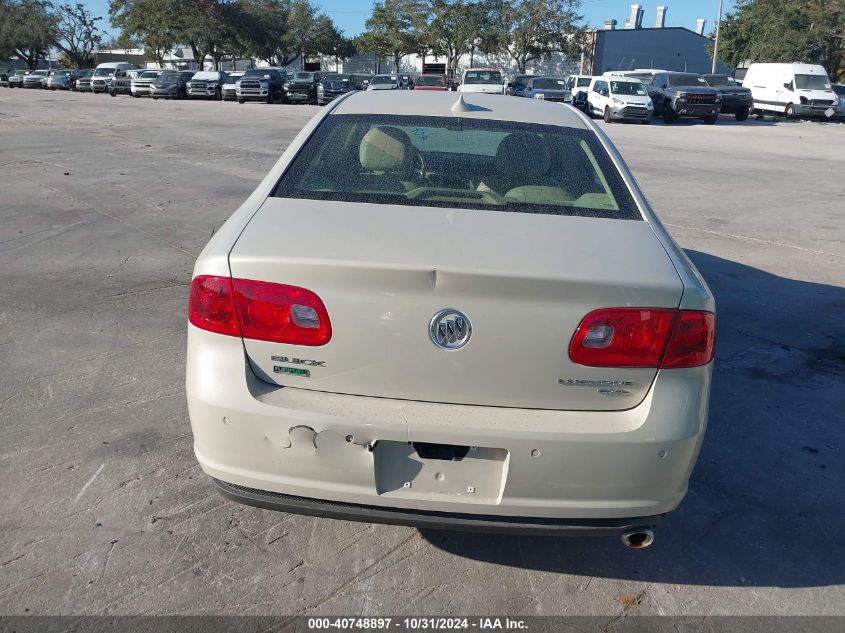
(791, 89)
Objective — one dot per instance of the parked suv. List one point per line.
(485, 80)
(261, 84)
(207, 84)
(61, 79)
(736, 100)
(171, 84)
(16, 78)
(332, 85)
(678, 94)
(83, 81)
(619, 99)
(302, 87)
(140, 85)
(121, 83)
(35, 79)
(547, 88)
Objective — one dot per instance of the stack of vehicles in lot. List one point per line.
(229, 89)
(35, 79)
(261, 84)
(617, 98)
(61, 79)
(288, 339)
(431, 82)
(121, 82)
(677, 94)
(84, 80)
(104, 75)
(796, 90)
(207, 84)
(546, 88)
(482, 80)
(140, 85)
(301, 87)
(736, 99)
(171, 84)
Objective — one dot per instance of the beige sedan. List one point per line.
(451, 311)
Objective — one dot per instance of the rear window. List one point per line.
(426, 80)
(458, 163)
(483, 77)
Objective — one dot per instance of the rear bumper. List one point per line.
(557, 466)
(432, 520)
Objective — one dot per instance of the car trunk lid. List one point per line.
(524, 281)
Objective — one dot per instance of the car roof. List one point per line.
(495, 107)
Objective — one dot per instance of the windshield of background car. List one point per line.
(812, 82)
(627, 88)
(483, 77)
(686, 80)
(383, 79)
(86, 73)
(549, 84)
(719, 80)
(431, 81)
(303, 76)
(458, 163)
(150, 74)
(104, 72)
(168, 78)
(335, 77)
(256, 73)
(583, 82)
(21, 73)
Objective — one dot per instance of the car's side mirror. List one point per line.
(788, 86)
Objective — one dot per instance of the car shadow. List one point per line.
(765, 505)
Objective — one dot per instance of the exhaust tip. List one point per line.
(639, 538)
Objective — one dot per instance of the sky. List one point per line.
(350, 15)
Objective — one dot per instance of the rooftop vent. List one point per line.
(661, 17)
(610, 25)
(636, 19)
(699, 25)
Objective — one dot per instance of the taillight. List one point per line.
(693, 340)
(644, 337)
(259, 310)
(281, 314)
(210, 306)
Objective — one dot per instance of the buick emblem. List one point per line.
(450, 329)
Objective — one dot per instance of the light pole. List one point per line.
(716, 43)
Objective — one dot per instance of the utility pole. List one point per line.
(716, 43)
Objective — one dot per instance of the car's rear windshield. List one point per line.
(483, 77)
(549, 83)
(627, 88)
(458, 163)
(686, 80)
(303, 76)
(812, 82)
(425, 80)
(583, 81)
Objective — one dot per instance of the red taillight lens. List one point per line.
(693, 340)
(644, 337)
(210, 306)
(259, 310)
(281, 314)
(622, 337)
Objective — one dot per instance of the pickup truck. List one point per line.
(677, 95)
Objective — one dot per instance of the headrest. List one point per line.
(383, 149)
(522, 153)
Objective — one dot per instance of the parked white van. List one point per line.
(486, 80)
(104, 74)
(791, 89)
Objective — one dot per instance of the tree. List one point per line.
(151, 23)
(201, 24)
(812, 31)
(533, 29)
(329, 40)
(77, 34)
(29, 29)
(395, 28)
